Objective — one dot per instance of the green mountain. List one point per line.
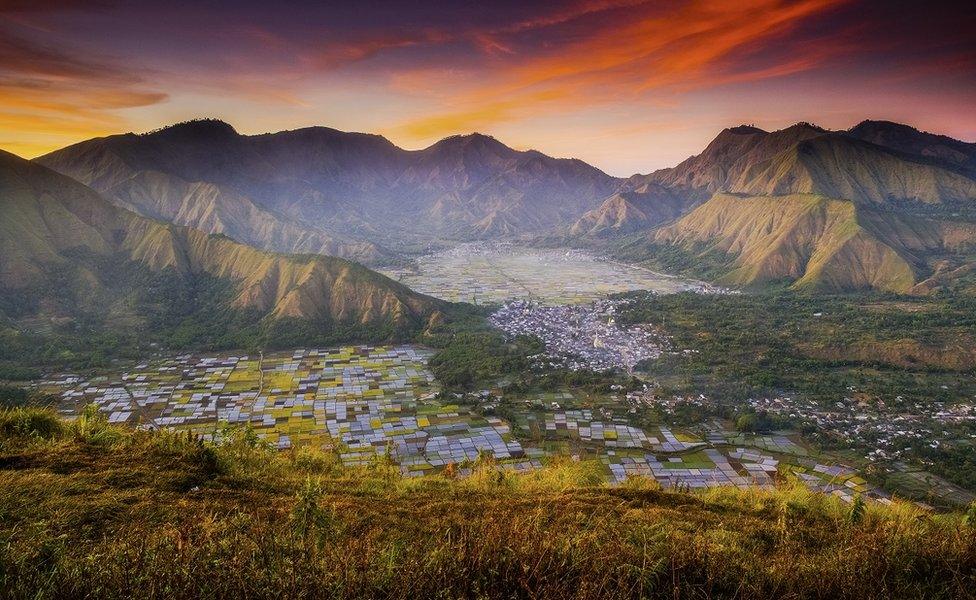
(816, 242)
(882, 206)
(66, 253)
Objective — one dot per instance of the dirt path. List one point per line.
(260, 373)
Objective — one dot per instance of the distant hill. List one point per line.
(629, 211)
(324, 191)
(805, 159)
(911, 141)
(313, 189)
(66, 252)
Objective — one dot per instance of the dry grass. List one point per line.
(159, 515)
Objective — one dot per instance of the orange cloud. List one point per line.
(52, 97)
(695, 46)
(481, 116)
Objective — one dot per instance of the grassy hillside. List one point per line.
(91, 511)
(811, 241)
(77, 269)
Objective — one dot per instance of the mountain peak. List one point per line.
(744, 130)
(471, 140)
(806, 126)
(881, 124)
(197, 128)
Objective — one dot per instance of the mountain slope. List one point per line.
(805, 159)
(186, 175)
(215, 209)
(814, 242)
(629, 211)
(726, 158)
(361, 185)
(842, 167)
(59, 238)
(911, 141)
(882, 206)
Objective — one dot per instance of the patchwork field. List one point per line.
(367, 402)
(361, 401)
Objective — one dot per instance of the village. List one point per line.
(885, 435)
(580, 336)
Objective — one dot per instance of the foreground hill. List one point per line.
(204, 174)
(65, 251)
(94, 511)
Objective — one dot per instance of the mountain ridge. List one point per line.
(352, 182)
(53, 222)
(352, 194)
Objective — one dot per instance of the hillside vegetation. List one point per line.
(87, 510)
(881, 207)
(71, 263)
(902, 351)
(813, 241)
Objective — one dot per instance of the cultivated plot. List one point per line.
(484, 273)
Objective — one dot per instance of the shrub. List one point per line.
(12, 397)
(30, 423)
(857, 511)
(970, 517)
(92, 427)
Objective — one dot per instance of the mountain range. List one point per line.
(881, 206)
(332, 192)
(66, 252)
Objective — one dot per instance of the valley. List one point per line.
(683, 382)
(803, 284)
(576, 299)
(493, 272)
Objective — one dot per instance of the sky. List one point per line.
(626, 85)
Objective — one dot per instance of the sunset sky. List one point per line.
(628, 86)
